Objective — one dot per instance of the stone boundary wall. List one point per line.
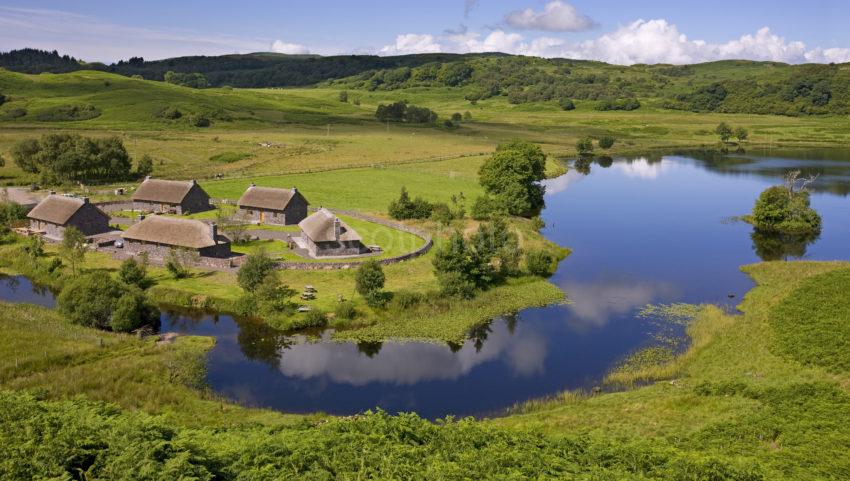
(355, 262)
(115, 205)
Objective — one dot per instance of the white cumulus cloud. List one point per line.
(557, 16)
(645, 41)
(280, 46)
(410, 43)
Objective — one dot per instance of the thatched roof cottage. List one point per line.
(157, 235)
(266, 205)
(324, 234)
(55, 213)
(175, 196)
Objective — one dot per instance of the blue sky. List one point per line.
(622, 32)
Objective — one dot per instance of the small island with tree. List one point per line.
(785, 209)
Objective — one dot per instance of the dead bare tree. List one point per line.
(795, 184)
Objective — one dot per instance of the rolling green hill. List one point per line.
(733, 86)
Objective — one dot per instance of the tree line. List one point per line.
(65, 158)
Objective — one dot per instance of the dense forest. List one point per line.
(729, 86)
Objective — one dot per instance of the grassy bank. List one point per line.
(750, 387)
(43, 353)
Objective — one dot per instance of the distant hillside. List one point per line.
(727, 86)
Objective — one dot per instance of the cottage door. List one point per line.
(262, 217)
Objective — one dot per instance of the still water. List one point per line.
(642, 230)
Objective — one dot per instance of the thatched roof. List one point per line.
(267, 198)
(320, 227)
(58, 209)
(167, 191)
(190, 233)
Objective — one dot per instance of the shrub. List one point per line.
(2, 99)
(779, 209)
(455, 284)
(15, 113)
(606, 141)
(724, 131)
(343, 96)
(403, 300)
(68, 113)
(458, 265)
(442, 214)
(370, 278)
(176, 262)
(254, 271)
(134, 273)
(314, 318)
(272, 295)
(345, 310)
(144, 167)
(622, 104)
(170, 113)
(566, 104)
(11, 212)
(96, 300)
(133, 311)
(199, 120)
(247, 305)
(539, 262)
(584, 146)
(405, 208)
(486, 207)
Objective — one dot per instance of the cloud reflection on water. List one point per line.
(410, 363)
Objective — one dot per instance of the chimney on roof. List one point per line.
(252, 185)
(337, 228)
(52, 192)
(147, 177)
(141, 217)
(214, 231)
(85, 200)
(294, 190)
(193, 181)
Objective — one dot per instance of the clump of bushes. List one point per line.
(135, 273)
(170, 113)
(406, 208)
(15, 113)
(72, 158)
(315, 318)
(193, 80)
(464, 266)
(567, 104)
(345, 310)
(369, 283)
(620, 104)
(606, 142)
(68, 113)
(199, 120)
(539, 262)
(97, 300)
(584, 146)
(783, 210)
(401, 111)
